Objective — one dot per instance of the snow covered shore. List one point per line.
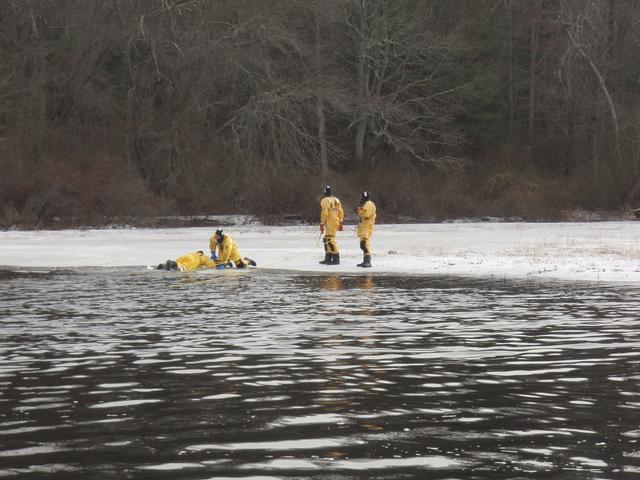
(599, 251)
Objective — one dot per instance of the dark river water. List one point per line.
(267, 375)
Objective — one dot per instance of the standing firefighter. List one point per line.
(367, 212)
(331, 218)
(227, 251)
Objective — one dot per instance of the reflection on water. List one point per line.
(271, 375)
(331, 282)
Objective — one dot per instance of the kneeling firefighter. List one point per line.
(227, 251)
(331, 218)
(367, 213)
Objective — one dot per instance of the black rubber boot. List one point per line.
(250, 262)
(335, 259)
(171, 266)
(366, 261)
(327, 259)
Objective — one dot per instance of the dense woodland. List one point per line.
(441, 108)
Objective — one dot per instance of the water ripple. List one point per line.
(330, 376)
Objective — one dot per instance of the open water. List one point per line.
(128, 374)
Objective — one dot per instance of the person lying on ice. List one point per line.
(189, 262)
(227, 251)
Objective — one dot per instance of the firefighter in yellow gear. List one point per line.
(227, 251)
(367, 213)
(188, 263)
(331, 221)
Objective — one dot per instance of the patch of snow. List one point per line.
(602, 251)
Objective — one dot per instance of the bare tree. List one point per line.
(399, 60)
(585, 26)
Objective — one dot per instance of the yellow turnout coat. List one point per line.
(367, 213)
(194, 261)
(331, 215)
(227, 250)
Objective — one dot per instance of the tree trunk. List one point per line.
(129, 128)
(324, 161)
(595, 160)
(38, 128)
(569, 123)
(361, 133)
(322, 122)
(532, 79)
(363, 87)
(612, 27)
(511, 75)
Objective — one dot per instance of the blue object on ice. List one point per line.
(220, 267)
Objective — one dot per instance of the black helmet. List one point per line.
(364, 197)
(327, 191)
(219, 233)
